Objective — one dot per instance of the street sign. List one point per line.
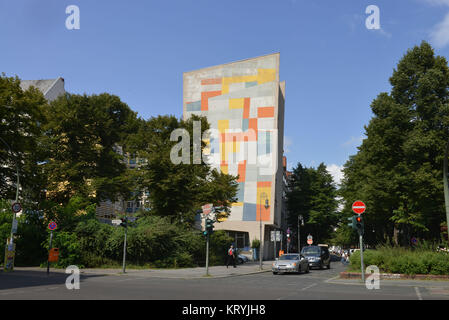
(309, 241)
(207, 209)
(309, 237)
(276, 234)
(52, 225)
(116, 222)
(14, 226)
(16, 207)
(358, 207)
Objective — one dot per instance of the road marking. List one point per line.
(331, 279)
(308, 287)
(418, 293)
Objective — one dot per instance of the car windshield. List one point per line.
(311, 251)
(289, 257)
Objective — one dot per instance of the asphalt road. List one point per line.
(318, 284)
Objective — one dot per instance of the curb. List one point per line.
(392, 276)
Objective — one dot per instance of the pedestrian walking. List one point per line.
(231, 256)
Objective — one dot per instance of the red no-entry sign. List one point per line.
(358, 207)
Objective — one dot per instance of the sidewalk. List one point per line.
(183, 273)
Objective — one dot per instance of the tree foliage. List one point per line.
(312, 194)
(397, 171)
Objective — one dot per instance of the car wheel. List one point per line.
(240, 261)
(308, 269)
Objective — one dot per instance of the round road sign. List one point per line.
(309, 241)
(16, 207)
(309, 237)
(358, 207)
(52, 225)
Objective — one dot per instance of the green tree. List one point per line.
(20, 128)
(179, 190)
(83, 135)
(312, 194)
(397, 171)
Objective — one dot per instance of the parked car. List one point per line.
(290, 262)
(318, 256)
(241, 259)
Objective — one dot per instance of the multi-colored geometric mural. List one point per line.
(240, 100)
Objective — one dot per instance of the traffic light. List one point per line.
(360, 224)
(353, 223)
(124, 222)
(209, 227)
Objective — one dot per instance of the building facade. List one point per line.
(244, 104)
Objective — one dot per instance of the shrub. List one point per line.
(404, 261)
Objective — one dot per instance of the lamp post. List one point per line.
(262, 195)
(299, 232)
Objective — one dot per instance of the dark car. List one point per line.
(318, 256)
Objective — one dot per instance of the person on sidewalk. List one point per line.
(231, 256)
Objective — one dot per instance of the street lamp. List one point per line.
(262, 195)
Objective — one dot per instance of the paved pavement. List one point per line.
(183, 273)
(225, 284)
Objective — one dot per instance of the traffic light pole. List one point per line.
(207, 254)
(124, 245)
(361, 257)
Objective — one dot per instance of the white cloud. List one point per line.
(287, 143)
(439, 36)
(336, 172)
(353, 141)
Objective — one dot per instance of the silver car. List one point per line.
(290, 262)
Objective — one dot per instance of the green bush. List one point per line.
(405, 261)
(70, 252)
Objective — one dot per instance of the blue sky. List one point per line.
(332, 64)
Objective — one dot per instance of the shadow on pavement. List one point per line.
(31, 278)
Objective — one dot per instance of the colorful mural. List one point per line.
(240, 100)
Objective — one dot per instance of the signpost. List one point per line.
(309, 240)
(207, 209)
(52, 226)
(275, 237)
(359, 207)
(16, 207)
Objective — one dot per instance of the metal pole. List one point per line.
(275, 240)
(260, 231)
(207, 254)
(446, 186)
(299, 238)
(124, 245)
(48, 262)
(361, 258)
